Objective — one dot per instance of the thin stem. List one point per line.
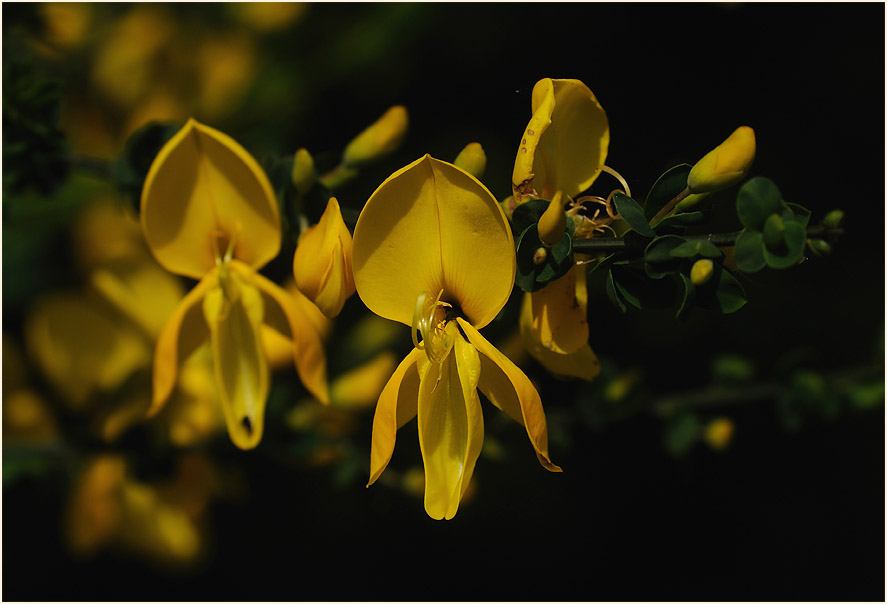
(669, 206)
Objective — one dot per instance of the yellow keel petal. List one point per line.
(234, 313)
(510, 389)
(450, 427)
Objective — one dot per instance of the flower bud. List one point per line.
(833, 219)
(322, 262)
(472, 159)
(726, 164)
(303, 171)
(380, 139)
(553, 222)
(718, 433)
(701, 272)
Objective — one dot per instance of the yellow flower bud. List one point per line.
(322, 262)
(472, 159)
(726, 164)
(303, 171)
(553, 223)
(701, 272)
(380, 139)
(718, 433)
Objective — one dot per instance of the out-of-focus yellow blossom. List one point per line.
(379, 139)
(554, 327)
(719, 432)
(208, 212)
(473, 160)
(560, 155)
(109, 508)
(322, 262)
(67, 23)
(82, 348)
(123, 70)
(726, 164)
(433, 250)
(361, 386)
(564, 144)
(268, 16)
(27, 418)
(225, 67)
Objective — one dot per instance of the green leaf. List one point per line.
(632, 214)
(749, 251)
(799, 214)
(757, 200)
(688, 298)
(681, 433)
(723, 293)
(680, 221)
(658, 261)
(639, 290)
(532, 277)
(793, 251)
(666, 188)
(697, 247)
(732, 370)
(613, 295)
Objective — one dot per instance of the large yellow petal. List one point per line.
(397, 405)
(563, 144)
(556, 317)
(234, 313)
(294, 316)
(432, 226)
(184, 331)
(510, 390)
(451, 428)
(202, 191)
(322, 262)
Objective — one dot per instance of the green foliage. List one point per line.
(681, 433)
(632, 214)
(35, 153)
(131, 168)
(775, 232)
(533, 272)
(668, 186)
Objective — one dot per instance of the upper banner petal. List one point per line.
(203, 191)
(429, 227)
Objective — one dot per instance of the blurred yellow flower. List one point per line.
(322, 262)
(208, 212)
(433, 250)
(719, 432)
(268, 16)
(379, 139)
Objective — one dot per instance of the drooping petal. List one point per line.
(234, 313)
(294, 316)
(510, 390)
(556, 318)
(450, 427)
(361, 386)
(184, 331)
(397, 405)
(203, 191)
(430, 227)
(564, 143)
(322, 262)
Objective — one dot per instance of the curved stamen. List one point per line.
(436, 341)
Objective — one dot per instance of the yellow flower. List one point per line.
(432, 249)
(379, 139)
(208, 212)
(560, 156)
(472, 159)
(322, 262)
(726, 164)
(719, 432)
(564, 144)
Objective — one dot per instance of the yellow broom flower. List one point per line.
(208, 212)
(433, 250)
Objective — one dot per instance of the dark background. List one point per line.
(780, 515)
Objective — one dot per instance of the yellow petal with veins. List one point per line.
(397, 405)
(294, 316)
(451, 427)
(510, 390)
(322, 262)
(204, 190)
(234, 313)
(183, 332)
(429, 227)
(563, 144)
(556, 320)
